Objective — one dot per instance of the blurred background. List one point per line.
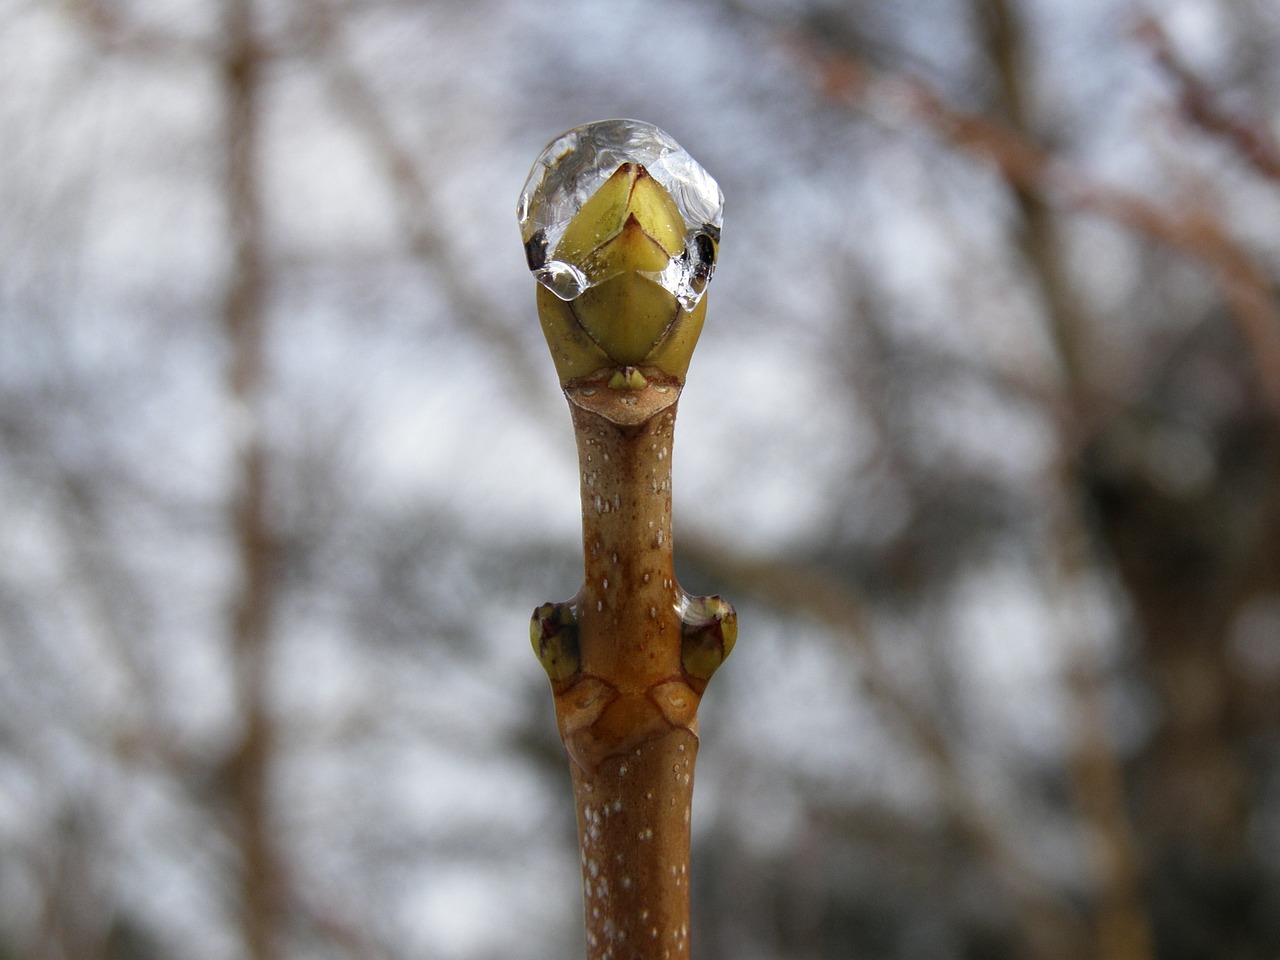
(983, 439)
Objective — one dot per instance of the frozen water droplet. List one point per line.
(687, 275)
(563, 279)
(577, 163)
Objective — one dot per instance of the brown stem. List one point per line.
(629, 658)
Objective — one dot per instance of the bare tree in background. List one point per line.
(255, 602)
(265, 697)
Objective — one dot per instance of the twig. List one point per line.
(630, 655)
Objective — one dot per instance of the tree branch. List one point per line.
(1244, 284)
(1251, 138)
(254, 606)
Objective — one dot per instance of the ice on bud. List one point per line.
(577, 163)
(621, 227)
(709, 631)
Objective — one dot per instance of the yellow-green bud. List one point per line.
(624, 236)
(553, 632)
(709, 632)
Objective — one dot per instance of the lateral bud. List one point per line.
(709, 629)
(553, 632)
(627, 378)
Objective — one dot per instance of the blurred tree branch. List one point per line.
(421, 220)
(114, 32)
(1121, 928)
(1244, 284)
(1250, 137)
(1049, 924)
(256, 598)
(1138, 526)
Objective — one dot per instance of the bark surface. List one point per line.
(628, 711)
